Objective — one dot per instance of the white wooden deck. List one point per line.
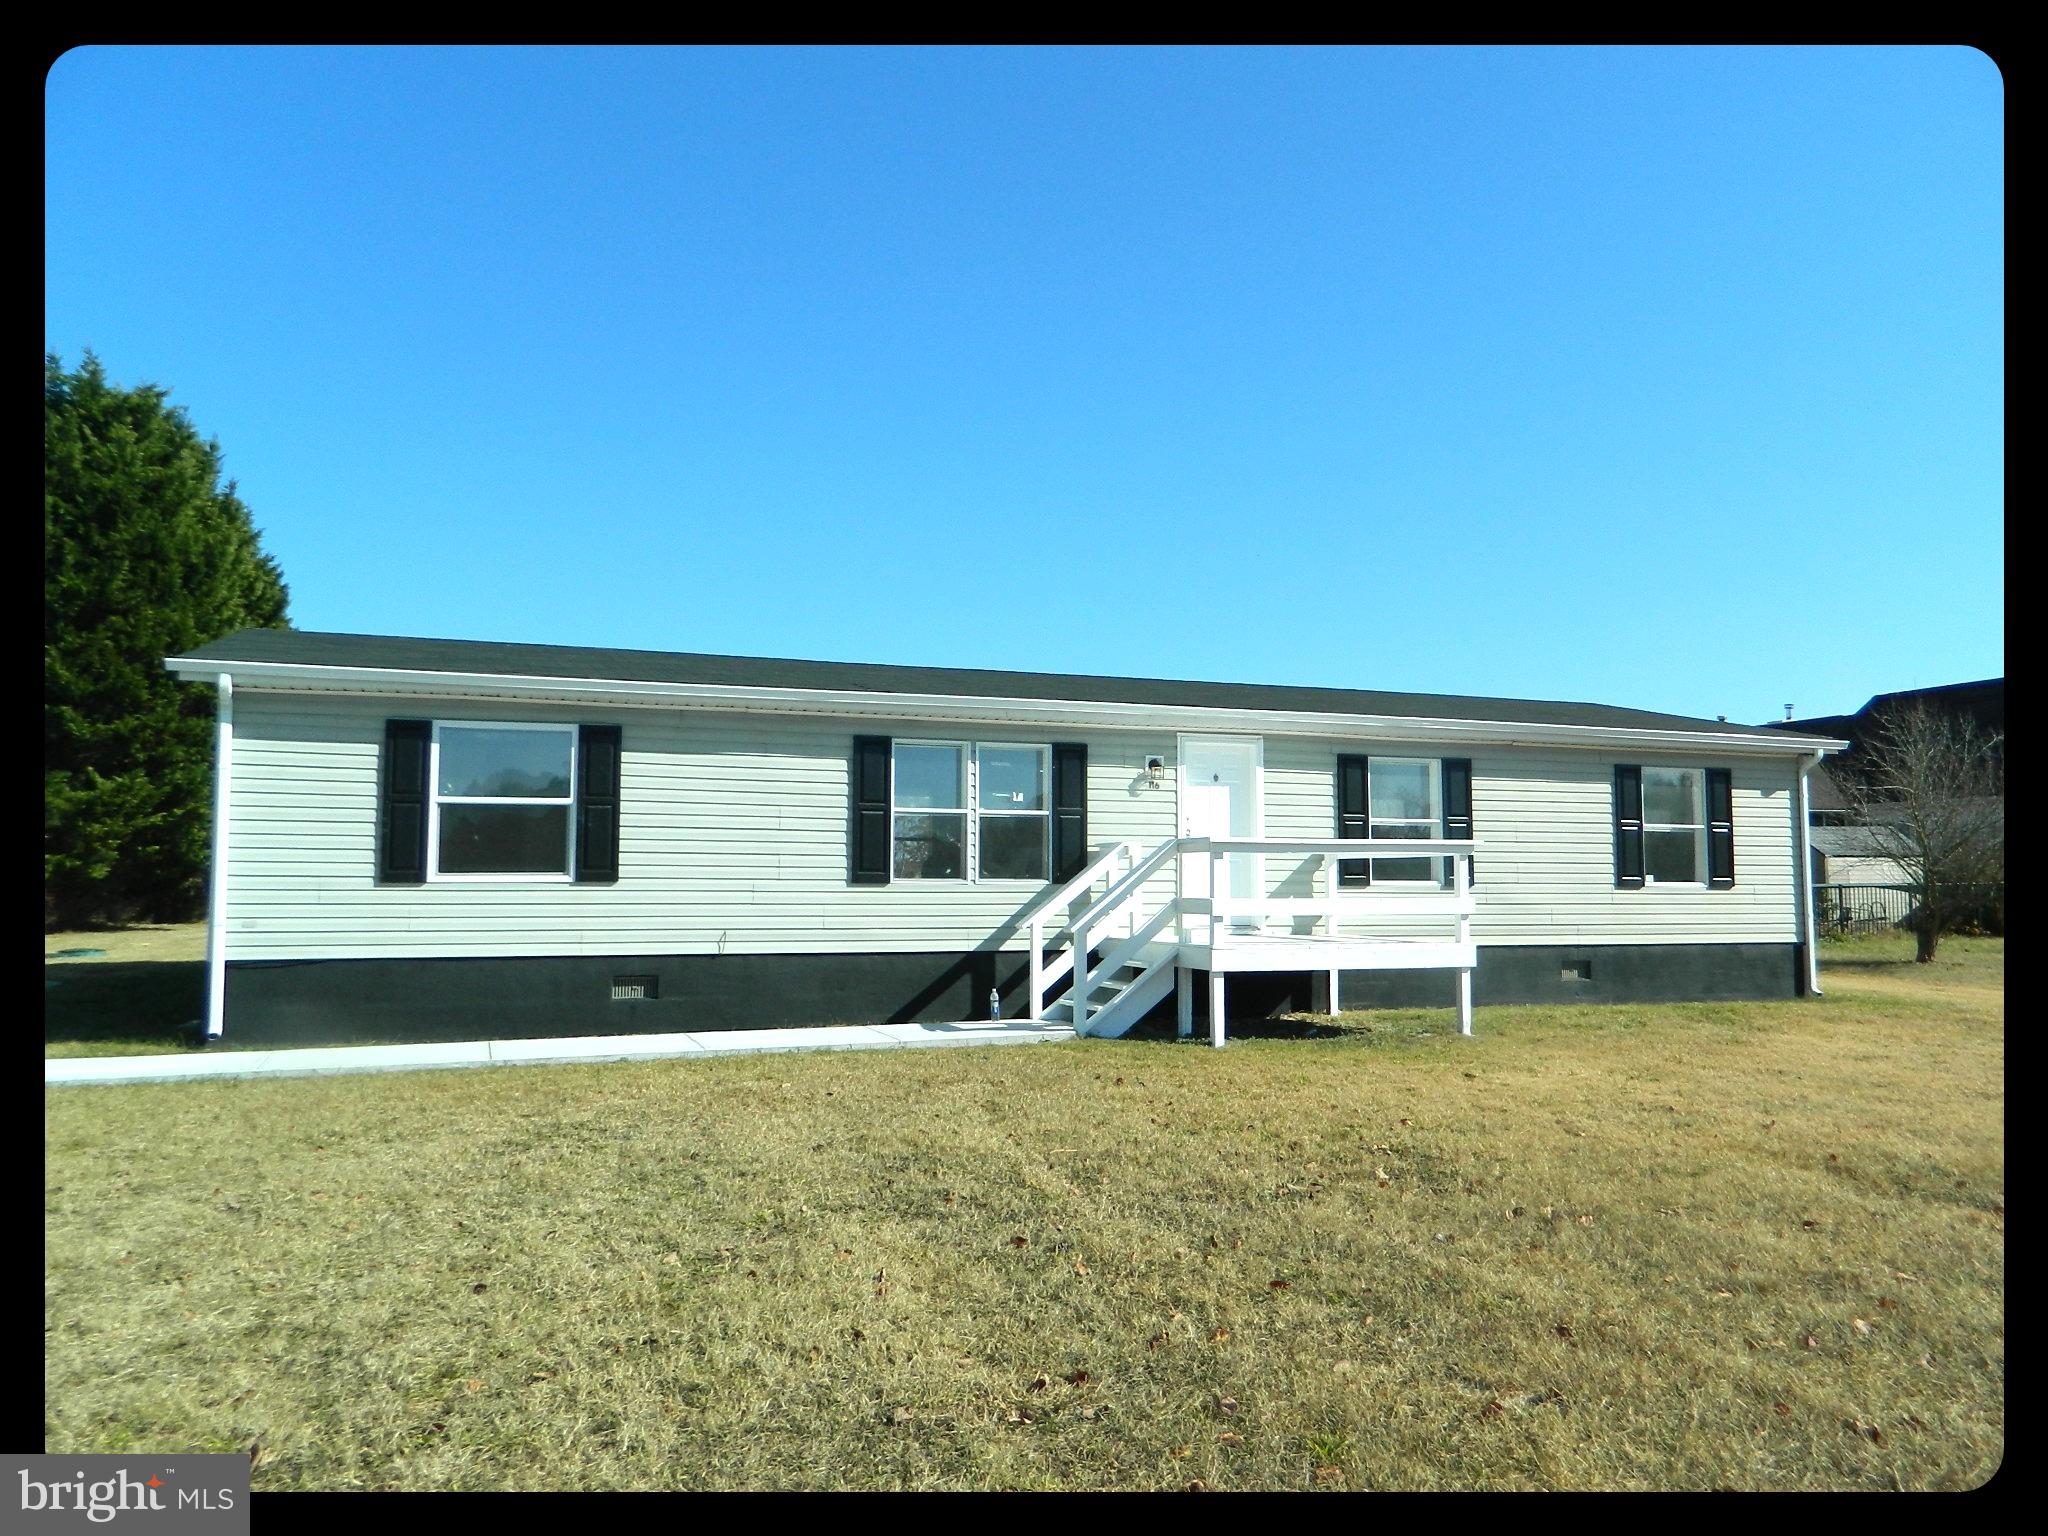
(1122, 961)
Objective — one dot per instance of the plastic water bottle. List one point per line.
(995, 1004)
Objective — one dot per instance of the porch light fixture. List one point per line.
(1155, 769)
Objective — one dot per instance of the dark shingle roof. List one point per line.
(311, 648)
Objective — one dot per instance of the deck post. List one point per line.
(1335, 1007)
(1036, 997)
(1183, 1001)
(1216, 1009)
(1464, 1001)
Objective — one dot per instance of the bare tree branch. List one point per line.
(1931, 787)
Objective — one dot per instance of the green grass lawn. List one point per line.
(1702, 1246)
(133, 998)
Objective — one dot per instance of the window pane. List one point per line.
(1672, 856)
(1012, 779)
(1402, 790)
(930, 776)
(528, 763)
(931, 847)
(1403, 869)
(1672, 796)
(504, 839)
(1013, 848)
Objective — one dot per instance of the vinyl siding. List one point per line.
(734, 839)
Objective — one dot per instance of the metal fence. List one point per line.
(1860, 908)
(1875, 908)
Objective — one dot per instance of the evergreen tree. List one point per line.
(145, 554)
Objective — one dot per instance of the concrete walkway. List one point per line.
(316, 1060)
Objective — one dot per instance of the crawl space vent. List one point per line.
(633, 989)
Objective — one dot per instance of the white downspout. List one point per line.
(1805, 876)
(217, 897)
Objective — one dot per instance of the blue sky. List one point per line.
(1662, 377)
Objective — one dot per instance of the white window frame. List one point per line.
(435, 798)
(1699, 829)
(1043, 814)
(1435, 823)
(970, 788)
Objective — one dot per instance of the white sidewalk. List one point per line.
(313, 1060)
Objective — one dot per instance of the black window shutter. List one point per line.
(1069, 809)
(597, 804)
(1457, 775)
(402, 813)
(1720, 829)
(1354, 813)
(1628, 828)
(872, 766)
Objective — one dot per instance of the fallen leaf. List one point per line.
(1810, 1342)
(899, 1415)
(1783, 1410)
(478, 1289)
(1230, 1437)
(1279, 1285)
(1329, 1474)
(1226, 1406)
(472, 1385)
(1080, 1268)
(1492, 1410)
(1563, 1330)
(1198, 1486)
(1218, 1335)
(1078, 1379)
(1181, 1452)
(1020, 1242)
(1039, 1383)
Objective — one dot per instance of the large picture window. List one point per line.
(982, 807)
(1674, 826)
(1406, 795)
(502, 801)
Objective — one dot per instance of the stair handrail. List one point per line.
(1058, 901)
(1112, 899)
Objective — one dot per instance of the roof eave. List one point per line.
(292, 676)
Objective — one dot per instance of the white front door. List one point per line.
(1220, 781)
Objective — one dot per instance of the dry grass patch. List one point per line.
(1755, 1246)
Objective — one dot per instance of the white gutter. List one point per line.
(927, 706)
(217, 896)
(1805, 876)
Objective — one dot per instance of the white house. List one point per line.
(439, 839)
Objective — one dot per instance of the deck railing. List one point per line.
(1336, 902)
(1194, 916)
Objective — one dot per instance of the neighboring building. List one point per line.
(1851, 855)
(1982, 703)
(448, 840)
